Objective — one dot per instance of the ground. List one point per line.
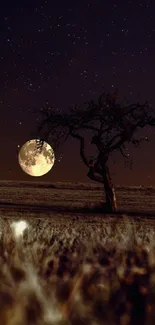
(72, 267)
(71, 196)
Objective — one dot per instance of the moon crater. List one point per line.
(36, 161)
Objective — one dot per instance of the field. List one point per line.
(71, 265)
(67, 196)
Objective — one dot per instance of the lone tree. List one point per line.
(112, 125)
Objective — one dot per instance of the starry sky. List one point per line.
(66, 52)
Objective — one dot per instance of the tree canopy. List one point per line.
(112, 123)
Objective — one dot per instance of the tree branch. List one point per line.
(82, 147)
(91, 174)
(137, 142)
(114, 137)
(85, 126)
(123, 137)
(123, 154)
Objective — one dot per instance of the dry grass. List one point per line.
(67, 195)
(60, 271)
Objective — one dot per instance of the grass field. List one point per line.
(71, 267)
(129, 199)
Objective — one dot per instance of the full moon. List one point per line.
(36, 161)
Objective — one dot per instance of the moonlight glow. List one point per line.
(35, 161)
(18, 228)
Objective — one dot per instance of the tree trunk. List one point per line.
(111, 205)
(100, 173)
(110, 196)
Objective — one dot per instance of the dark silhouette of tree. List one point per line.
(112, 125)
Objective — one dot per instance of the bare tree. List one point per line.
(112, 125)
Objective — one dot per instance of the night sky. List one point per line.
(65, 52)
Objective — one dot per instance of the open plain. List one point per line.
(73, 264)
(69, 196)
(76, 204)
